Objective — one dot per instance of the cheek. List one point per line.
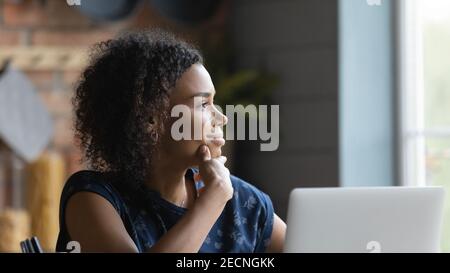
(203, 120)
(207, 126)
(207, 129)
(190, 148)
(187, 149)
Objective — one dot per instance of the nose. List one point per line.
(219, 119)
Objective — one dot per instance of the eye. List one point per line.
(205, 104)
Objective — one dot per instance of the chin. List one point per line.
(215, 151)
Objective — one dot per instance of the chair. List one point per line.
(31, 246)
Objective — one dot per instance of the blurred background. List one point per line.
(363, 88)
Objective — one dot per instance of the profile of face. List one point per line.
(195, 90)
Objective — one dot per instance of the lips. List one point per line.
(217, 140)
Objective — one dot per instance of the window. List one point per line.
(424, 71)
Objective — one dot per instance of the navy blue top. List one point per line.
(245, 224)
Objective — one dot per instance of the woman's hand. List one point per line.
(215, 176)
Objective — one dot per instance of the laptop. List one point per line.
(365, 220)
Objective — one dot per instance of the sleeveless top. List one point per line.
(244, 226)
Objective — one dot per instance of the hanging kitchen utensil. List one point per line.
(107, 10)
(25, 125)
(12, 178)
(187, 11)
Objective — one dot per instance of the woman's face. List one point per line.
(196, 91)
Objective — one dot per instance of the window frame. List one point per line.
(411, 113)
(412, 134)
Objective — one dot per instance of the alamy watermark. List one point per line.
(374, 247)
(73, 247)
(73, 2)
(188, 126)
(374, 2)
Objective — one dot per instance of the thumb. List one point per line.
(203, 153)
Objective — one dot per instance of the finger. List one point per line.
(222, 159)
(203, 153)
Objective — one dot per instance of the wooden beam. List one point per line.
(44, 58)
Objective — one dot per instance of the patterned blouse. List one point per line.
(244, 226)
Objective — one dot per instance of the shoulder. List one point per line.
(252, 210)
(92, 213)
(93, 182)
(84, 177)
(248, 195)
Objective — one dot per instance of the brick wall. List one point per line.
(54, 23)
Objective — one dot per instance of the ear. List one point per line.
(152, 128)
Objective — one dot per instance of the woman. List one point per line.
(147, 192)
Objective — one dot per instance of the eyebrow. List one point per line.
(203, 94)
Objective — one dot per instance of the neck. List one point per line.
(168, 179)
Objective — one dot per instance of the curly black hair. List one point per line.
(120, 95)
